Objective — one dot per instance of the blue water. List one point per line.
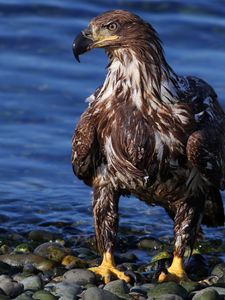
(43, 91)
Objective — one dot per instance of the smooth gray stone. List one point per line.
(166, 288)
(10, 287)
(33, 283)
(65, 290)
(95, 293)
(79, 276)
(206, 294)
(219, 271)
(166, 297)
(118, 287)
(43, 295)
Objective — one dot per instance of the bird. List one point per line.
(150, 133)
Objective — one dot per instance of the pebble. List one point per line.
(94, 293)
(23, 296)
(43, 295)
(33, 283)
(51, 251)
(19, 260)
(207, 294)
(79, 276)
(71, 261)
(119, 288)
(165, 288)
(64, 290)
(150, 244)
(166, 297)
(219, 271)
(10, 287)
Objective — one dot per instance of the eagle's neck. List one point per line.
(142, 77)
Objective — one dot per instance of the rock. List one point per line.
(165, 288)
(150, 244)
(10, 287)
(66, 290)
(23, 248)
(32, 283)
(2, 297)
(206, 294)
(127, 257)
(191, 286)
(19, 260)
(167, 297)
(119, 288)
(71, 261)
(95, 293)
(219, 271)
(51, 251)
(43, 295)
(138, 291)
(42, 236)
(161, 255)
(23, 296)
(79, 276)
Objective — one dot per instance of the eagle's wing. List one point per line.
(206, 147)
(85, 147)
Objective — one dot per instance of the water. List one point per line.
(42, 93)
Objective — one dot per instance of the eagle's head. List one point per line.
(115, 29)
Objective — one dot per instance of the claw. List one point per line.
(175, 272)
(108, 269)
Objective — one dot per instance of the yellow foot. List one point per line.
(175, 272)
(108, 269)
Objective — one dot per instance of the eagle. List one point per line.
(150, 133)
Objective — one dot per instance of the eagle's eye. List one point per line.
(112, 26)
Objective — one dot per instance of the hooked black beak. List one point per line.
(82, 43)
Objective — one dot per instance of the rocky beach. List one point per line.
(46, 266)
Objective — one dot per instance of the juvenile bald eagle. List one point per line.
(150, 133)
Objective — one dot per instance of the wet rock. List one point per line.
(51, 251)
(23, 296)
(137, 291)
(167, 297)
(161, 255)
(166, 288)
(71, 261)
(19, 260)
(219, 271)
(23, 248)
(43, 295)
(42, 236)
(94, 293)
(127, 257)
(33, 283)
(150, 244)
(85, 253)
(191, 286)
(2, 297)
(64, 290)
(79, 276)
(10, 287)
(206, 294)
(119, 288)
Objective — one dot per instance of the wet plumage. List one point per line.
(148, 132)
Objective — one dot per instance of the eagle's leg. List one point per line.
(186, 225)
(105, 208)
